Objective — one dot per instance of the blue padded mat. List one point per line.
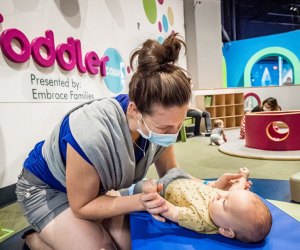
(147, 233)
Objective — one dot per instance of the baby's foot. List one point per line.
(245, 172)
(149, 186)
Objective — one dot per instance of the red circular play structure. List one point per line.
(276, 130)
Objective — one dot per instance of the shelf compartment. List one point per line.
(238, 120)
(220, 111)
(239, 109)
(230, 122)
(229, 110)
(227, 107)
(238, 98)
(229, 99)
(219, 100)
(208, 100)
(211, 110)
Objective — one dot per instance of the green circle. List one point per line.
(272, 51)
(150, 10)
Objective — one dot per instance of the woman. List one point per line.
(270, 104)
(66, 188)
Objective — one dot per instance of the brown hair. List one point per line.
(157, 79)
(272, 102)
(256, 225)
(218, 123)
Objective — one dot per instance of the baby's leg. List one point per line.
(220, 141)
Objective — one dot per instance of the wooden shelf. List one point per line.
(227, 107)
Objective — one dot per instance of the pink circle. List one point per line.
(159, 26)
(128, 70)
(160, 1)
(1, 18)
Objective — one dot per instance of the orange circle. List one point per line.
(273, 134)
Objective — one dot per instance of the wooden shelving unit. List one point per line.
(227, 107)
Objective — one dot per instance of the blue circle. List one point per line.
(160, 39)
(165, 23)
(115, 71)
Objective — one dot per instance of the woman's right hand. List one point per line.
(154, 203)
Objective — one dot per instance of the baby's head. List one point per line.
(241, 214)
(218, 123)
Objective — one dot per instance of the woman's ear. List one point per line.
(132, 110)
(227, 232)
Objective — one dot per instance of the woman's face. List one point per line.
(163, 120)
(266, 107)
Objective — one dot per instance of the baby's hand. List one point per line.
(245, 172)
(149, 186)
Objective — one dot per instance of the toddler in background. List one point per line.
(236, 213)
(218, 135)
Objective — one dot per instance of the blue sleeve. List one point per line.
(123, 99)
(65, 137)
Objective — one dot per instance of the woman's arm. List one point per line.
(153, 202)
(166, 161)
(83, 184)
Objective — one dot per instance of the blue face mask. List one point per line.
(164, 140)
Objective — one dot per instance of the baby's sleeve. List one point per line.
(189, 218)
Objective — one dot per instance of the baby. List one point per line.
(236, 213)
(218, 135)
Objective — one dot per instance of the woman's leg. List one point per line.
(207, 120)
(34, 242)
(68, 232)
(118, 229)
(197, 116)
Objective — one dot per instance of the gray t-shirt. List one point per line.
(101, 130)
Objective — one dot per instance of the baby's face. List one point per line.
(226, 208)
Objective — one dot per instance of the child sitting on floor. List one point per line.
(218, 135)
(236, 213)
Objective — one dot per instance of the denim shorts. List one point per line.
(39, 202)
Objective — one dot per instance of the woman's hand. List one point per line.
(226, 180)
(152, 201)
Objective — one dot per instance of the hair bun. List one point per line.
(154, 57)
(172, 47)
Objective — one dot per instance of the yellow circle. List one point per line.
(170, 16)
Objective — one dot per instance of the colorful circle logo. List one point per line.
(115, 71)
(150, 10)
(163, 23)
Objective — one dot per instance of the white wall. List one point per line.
(204, 39)
(98, 24)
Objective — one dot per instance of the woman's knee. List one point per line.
(67, 231)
